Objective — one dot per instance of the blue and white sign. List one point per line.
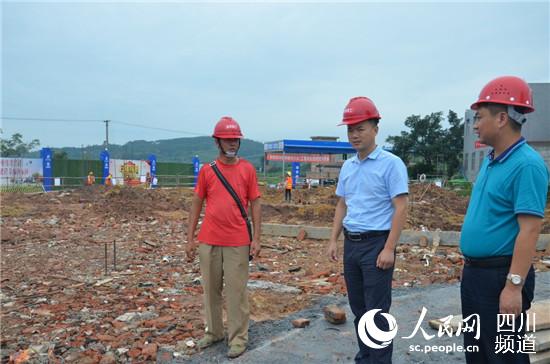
(104, 158)
(47, 168)
(153, 165)
(295, 172)
(196, 168)
(274, 146)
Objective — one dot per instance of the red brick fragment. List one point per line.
(325, 273)
(134, 352)
(335, 314)
(108, 358)
(300, 323)
(118, 324)
(102, 337)
(149, 351)
(423, 241)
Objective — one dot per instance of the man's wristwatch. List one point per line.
(515, 279)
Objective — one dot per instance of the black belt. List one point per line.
(364, 235)
(491, 262)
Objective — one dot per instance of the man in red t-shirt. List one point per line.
(225, 244)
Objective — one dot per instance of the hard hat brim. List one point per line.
(352, 122)
(528, 109)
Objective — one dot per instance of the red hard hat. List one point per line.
(507, 90)
(227, 128)
(359, 109)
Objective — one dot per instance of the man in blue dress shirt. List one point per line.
(502, 225)
(371, 209)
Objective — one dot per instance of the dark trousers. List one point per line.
(368, 288)
(480, 294)
(288, 194)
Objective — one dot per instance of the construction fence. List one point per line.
(19, 175)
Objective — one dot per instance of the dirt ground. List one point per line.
(64, 300)
(430, 207)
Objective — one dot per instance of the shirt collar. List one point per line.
(502, 157)
(373, 155)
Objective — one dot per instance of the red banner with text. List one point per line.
(299, 157)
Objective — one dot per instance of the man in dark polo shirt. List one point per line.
(502, 224)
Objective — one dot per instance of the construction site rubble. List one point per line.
(100, 275)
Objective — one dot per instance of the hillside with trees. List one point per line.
(179, 150)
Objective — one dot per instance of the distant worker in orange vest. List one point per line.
(288, 187)
(91, 179)
(109, 180)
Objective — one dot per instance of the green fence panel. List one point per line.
(73, 172)
(174, 169)
(76, 168)
(81, 168)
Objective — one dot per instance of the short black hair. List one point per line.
(495, 108)
(373, 122)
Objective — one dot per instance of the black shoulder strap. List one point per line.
(234, 195)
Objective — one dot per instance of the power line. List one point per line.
(44, 119)
(155, 128)
(102, 120)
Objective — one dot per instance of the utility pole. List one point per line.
(106, 133)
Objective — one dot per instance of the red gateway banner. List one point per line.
(302, 158)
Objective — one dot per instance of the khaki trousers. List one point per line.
(229, 265)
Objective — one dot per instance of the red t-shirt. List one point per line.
(223, 223)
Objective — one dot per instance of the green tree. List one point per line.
(454, 142)
(403, 146)
(16, 147)
(427, 147)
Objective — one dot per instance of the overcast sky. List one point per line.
(283, 70)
